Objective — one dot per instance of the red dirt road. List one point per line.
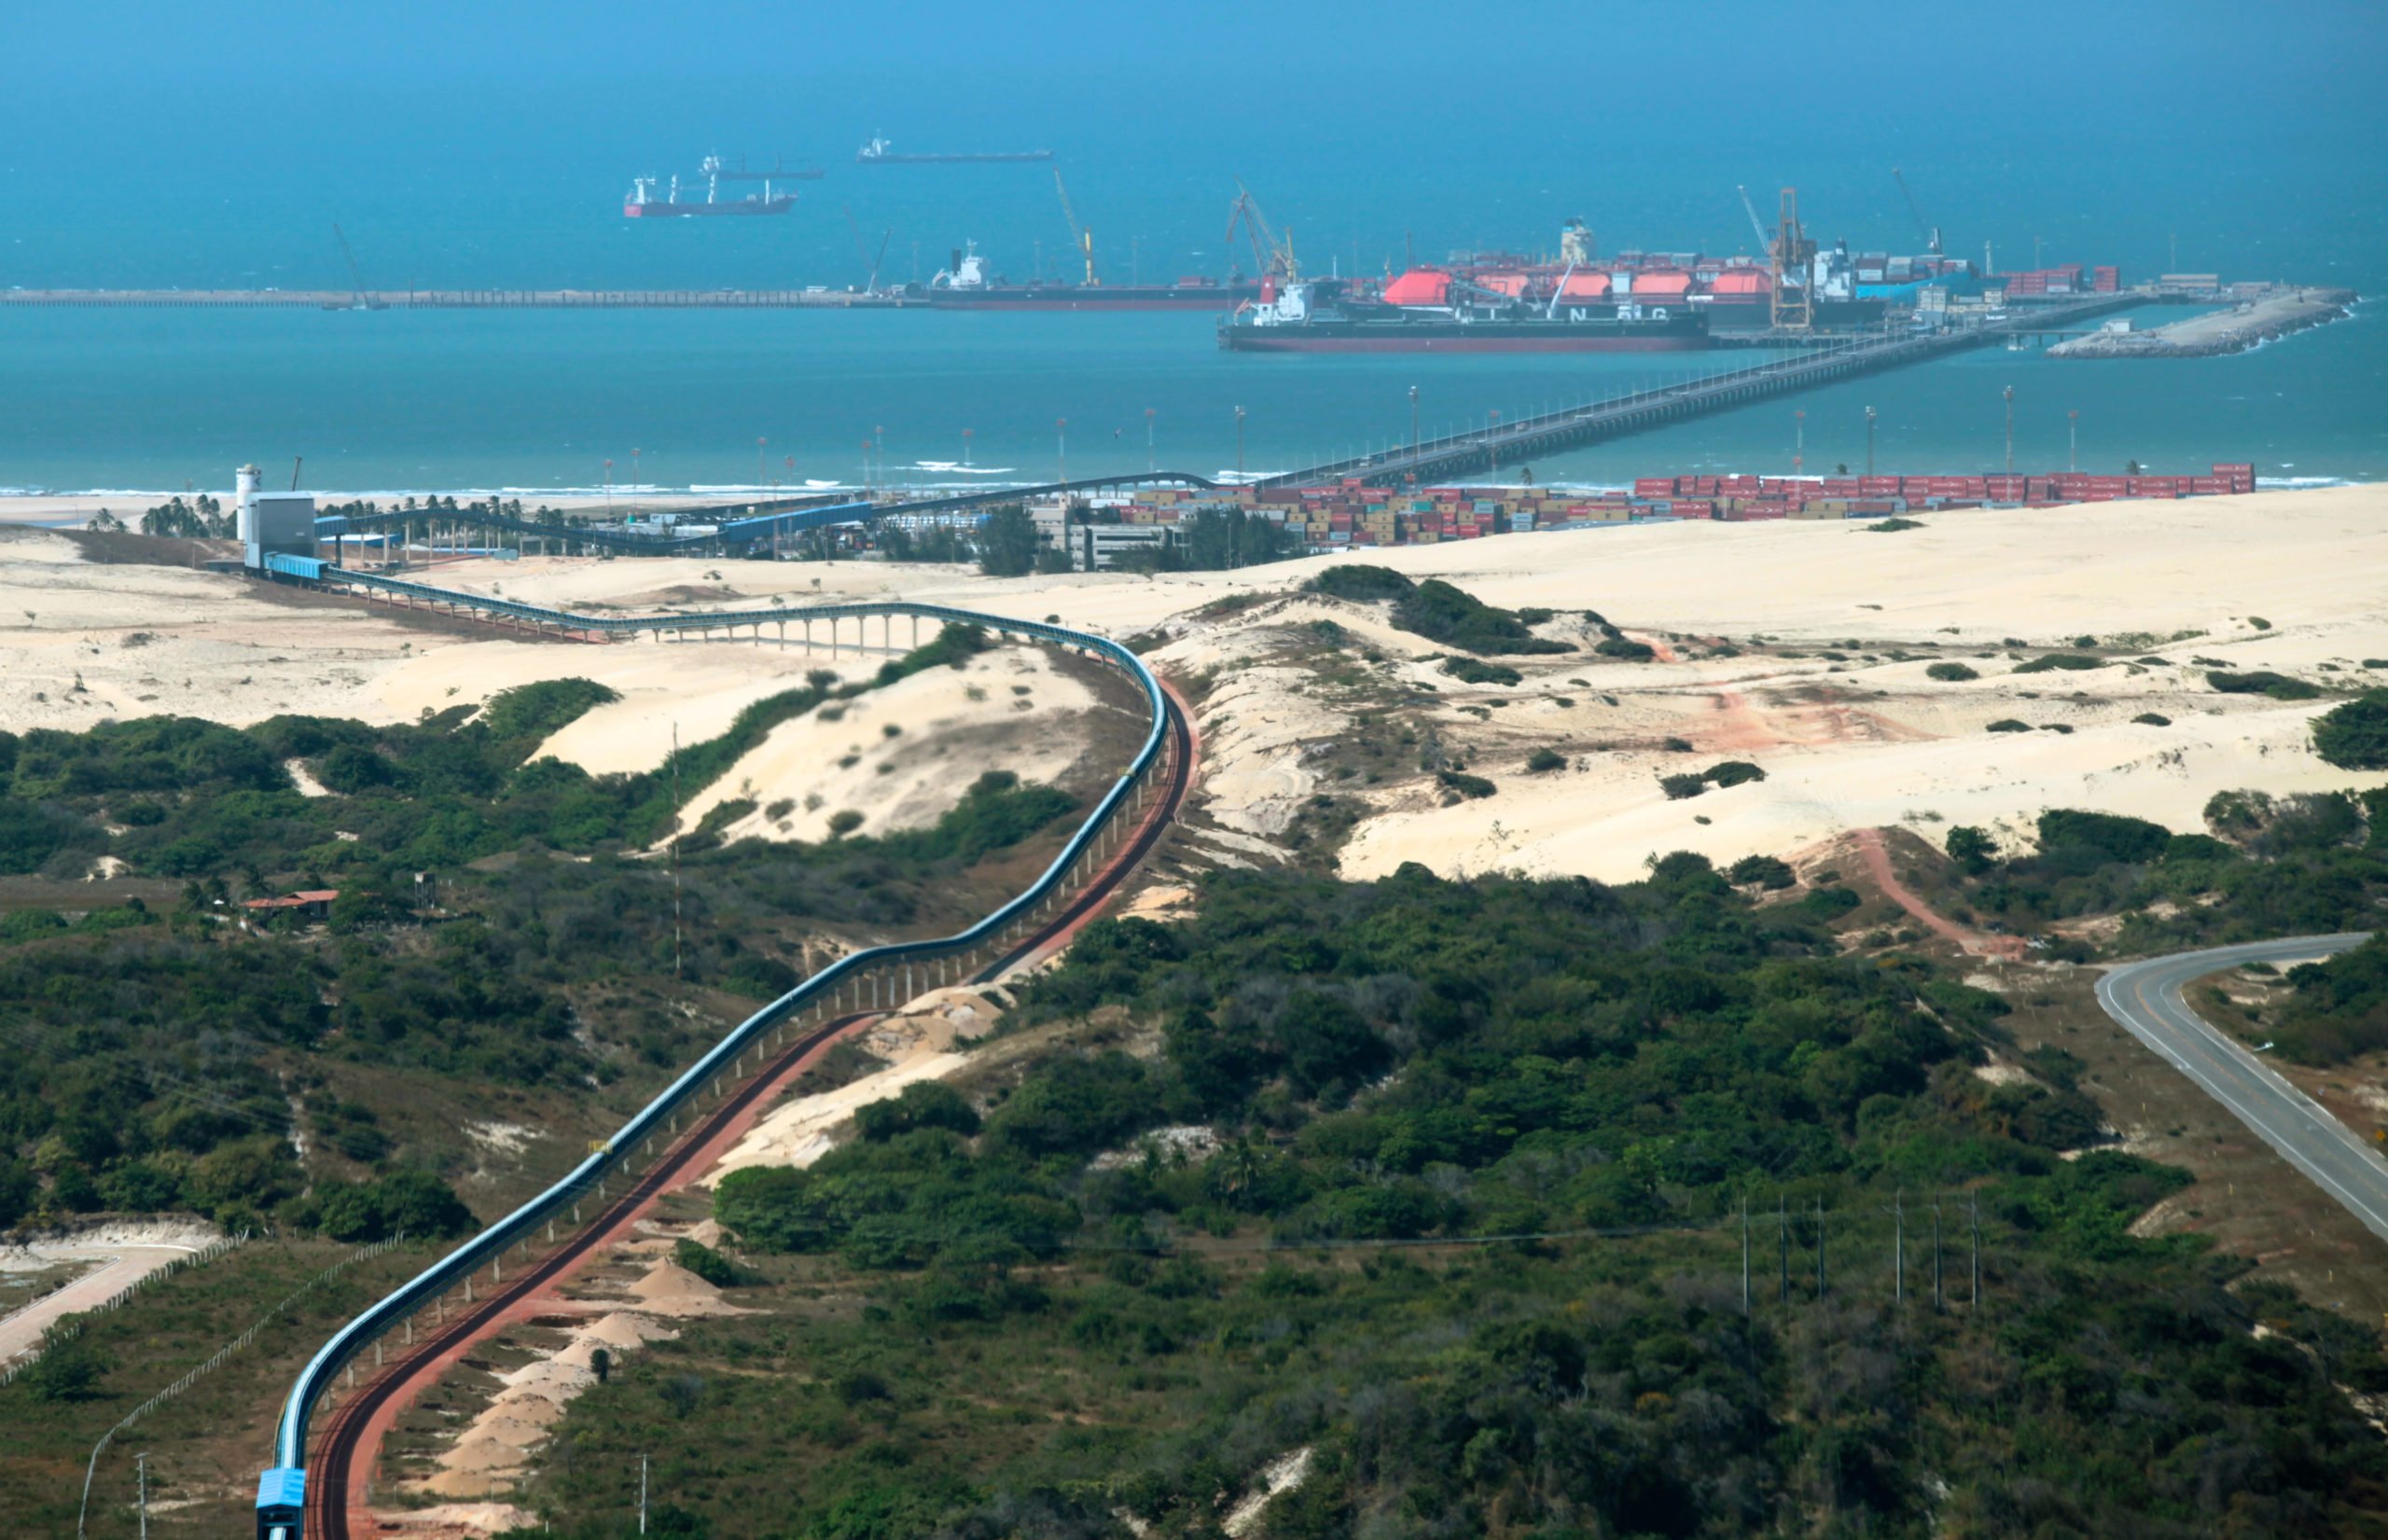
(1877, 857)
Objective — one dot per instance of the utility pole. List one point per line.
(676, 972)
(1870, 440)
(141, 1464)
(1820, 1248)
(1239, 441)
(1061, 446)
(1413, 420)
(1152, 462)
(1899, 1248)
(1975, 1301)
(1783, 1230)
(1799, 440)
(760, 477)
(1491, 451)
(1936, 1254)
(2072, 439)
(2011, 430)
(642, 1494)
(1745, 1254)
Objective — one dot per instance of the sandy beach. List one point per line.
(1829, 631)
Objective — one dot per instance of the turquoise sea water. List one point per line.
(521, 187)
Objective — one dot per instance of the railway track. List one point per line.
(350, 1436)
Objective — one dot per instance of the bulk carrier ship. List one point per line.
(641, 203)
(1498, 302)
(965, 284)
(1430, 311)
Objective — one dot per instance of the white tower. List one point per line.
(244, 487)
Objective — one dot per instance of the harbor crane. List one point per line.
(1930, 231)
(862, 254)
(1272, 253)
(1791, 258)
(356, 276)
(1080, 236)
(1757, 225)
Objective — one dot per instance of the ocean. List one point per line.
(440, 188)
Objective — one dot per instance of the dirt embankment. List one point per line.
(2234, 330)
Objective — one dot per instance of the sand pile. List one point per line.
(493, 1452)
(915, 1043)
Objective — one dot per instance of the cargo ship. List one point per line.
(641, 203)
(1734, 294)
(965, 284)
(1431, 310)
(881, 152)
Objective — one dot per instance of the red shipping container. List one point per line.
(1654, 486)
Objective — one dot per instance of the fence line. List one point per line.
(69, 1330)
(227, 1350)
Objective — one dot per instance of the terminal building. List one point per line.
(271, 523)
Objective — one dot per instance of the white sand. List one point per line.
(1008, 710)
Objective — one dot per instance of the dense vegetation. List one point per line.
(1434, 609)
(166, 1057)
(1341, 1069)
(2354, 736)
(2341, 1008)
(2299, 864)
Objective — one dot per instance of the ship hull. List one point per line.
(1831, 316)
(695, 211)
(1673, 335)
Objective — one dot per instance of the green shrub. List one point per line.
(1360, 583)
(1892, 526)
(1470, 671)
(1543, 762)
(844, 822)
(2052, 660)
(1683, 786)
(2153, 719)
(922, 1105)
(1766, 871)
(2131, 840)
(1971, 849)
(1465, 784)
(712, 1266)
(1950, 672)
(2279, 686)
(1731, 772)
(1624, 650)
(2009, 724)
(2354, 736)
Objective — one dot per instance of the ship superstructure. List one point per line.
(643, 204)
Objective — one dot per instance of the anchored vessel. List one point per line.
(965, 284)
(882, 152)
(641, 203)
(1430, 311)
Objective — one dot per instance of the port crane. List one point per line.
(1930, 231)
(1272, 253)
(356, 277)
(1791, 258)
(1764, 241)
(1080, 236)
(870, 285)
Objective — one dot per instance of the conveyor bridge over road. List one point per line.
(871, 978)
(1512, 443)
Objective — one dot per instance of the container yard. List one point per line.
(1353, 512)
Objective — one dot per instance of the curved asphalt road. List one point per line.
(2146, 997)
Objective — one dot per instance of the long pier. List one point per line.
(1507, 444)
(338, 300)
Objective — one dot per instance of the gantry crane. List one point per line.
(356, 276)
(862, 253)
(1930, 231)
(1791, 258)
(1272, 254)
(1080, 236)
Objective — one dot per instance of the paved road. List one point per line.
(2146, 997)
(120, 1267)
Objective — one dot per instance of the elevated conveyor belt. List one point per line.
(876, 975)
